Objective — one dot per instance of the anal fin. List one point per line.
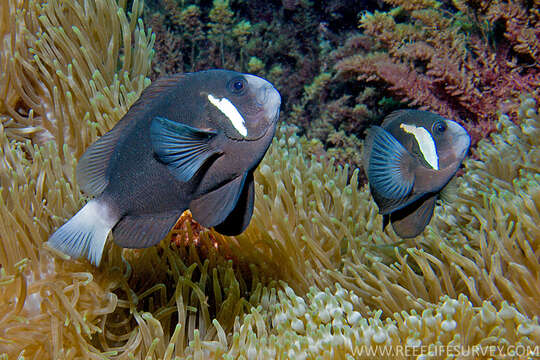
(411, 220)
(238, 220)
(145, 230)
(214, 207)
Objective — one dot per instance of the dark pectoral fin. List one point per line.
(214, 207)
(183, 148)
(411, 220)
(142, 231)
(238, 219)
(388, 164)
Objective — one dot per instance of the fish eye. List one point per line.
(237, 85)
(439, 127)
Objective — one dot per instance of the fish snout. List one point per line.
(262, 94)
(272, 102)
(463, 142)
(461, 139)
(269, 99)
(266, 96)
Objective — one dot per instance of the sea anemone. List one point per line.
(313, 276)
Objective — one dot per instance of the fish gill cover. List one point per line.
(312, 276)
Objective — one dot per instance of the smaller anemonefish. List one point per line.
(408, 160)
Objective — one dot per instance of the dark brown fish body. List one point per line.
(190, 141)
(408, 161)
(158, 188)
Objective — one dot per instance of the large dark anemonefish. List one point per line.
(191, 141)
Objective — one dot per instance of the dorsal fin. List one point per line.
(392, 116)
(92, 167)
(155, 90)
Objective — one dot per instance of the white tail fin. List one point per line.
(86, 232)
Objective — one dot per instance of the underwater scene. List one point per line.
(282, 179)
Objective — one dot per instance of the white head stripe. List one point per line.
(425, 143)
(230, 111)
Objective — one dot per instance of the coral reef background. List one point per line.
(322, 280)
(341, 66)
